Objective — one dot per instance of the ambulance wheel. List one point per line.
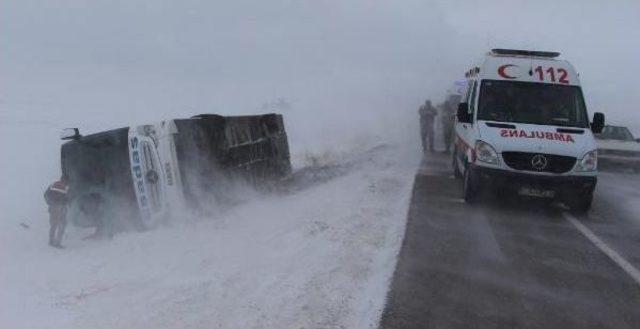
(470, 187)
(454, 164)
(581, 204)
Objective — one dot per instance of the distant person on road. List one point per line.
(427, 118)
(56, 198)
(448, 119)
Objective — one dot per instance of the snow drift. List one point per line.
(317, 254)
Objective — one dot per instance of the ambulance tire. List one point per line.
(454, 164)
(470, 187)
(581, 204)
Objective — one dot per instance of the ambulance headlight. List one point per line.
(486, 153)
(589, 162)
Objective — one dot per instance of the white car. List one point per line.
(522, 127)
(617, 149)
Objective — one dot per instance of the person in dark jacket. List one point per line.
(427, 118)
(56, 198)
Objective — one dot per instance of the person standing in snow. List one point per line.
(448, 119)
(56, 198)
(427, 118)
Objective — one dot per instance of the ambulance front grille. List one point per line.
(557, 164)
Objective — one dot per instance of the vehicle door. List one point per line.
(465, 131)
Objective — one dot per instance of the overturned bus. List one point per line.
(144, 172)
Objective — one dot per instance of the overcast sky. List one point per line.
(116, 62)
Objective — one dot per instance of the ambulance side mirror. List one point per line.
(463, 113)
(598, 123)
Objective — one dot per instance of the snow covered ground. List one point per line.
(317, 256)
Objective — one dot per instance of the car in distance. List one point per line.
(618, 149)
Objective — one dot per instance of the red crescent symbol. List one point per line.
(502, 73)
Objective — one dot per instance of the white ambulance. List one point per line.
(522, 127)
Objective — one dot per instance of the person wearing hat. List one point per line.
(56, 198)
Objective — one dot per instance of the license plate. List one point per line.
(532, 191)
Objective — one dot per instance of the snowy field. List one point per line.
(317, 255)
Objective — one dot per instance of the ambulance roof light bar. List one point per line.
(518, 52)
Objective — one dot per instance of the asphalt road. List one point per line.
(514, 263)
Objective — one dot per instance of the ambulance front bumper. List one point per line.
(561, 185)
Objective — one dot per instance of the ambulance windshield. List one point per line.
(534, 103)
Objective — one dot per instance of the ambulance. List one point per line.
(522, 128)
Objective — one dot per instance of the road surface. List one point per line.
(516, 263)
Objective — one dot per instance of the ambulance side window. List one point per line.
(467, 96)
(472, 99)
